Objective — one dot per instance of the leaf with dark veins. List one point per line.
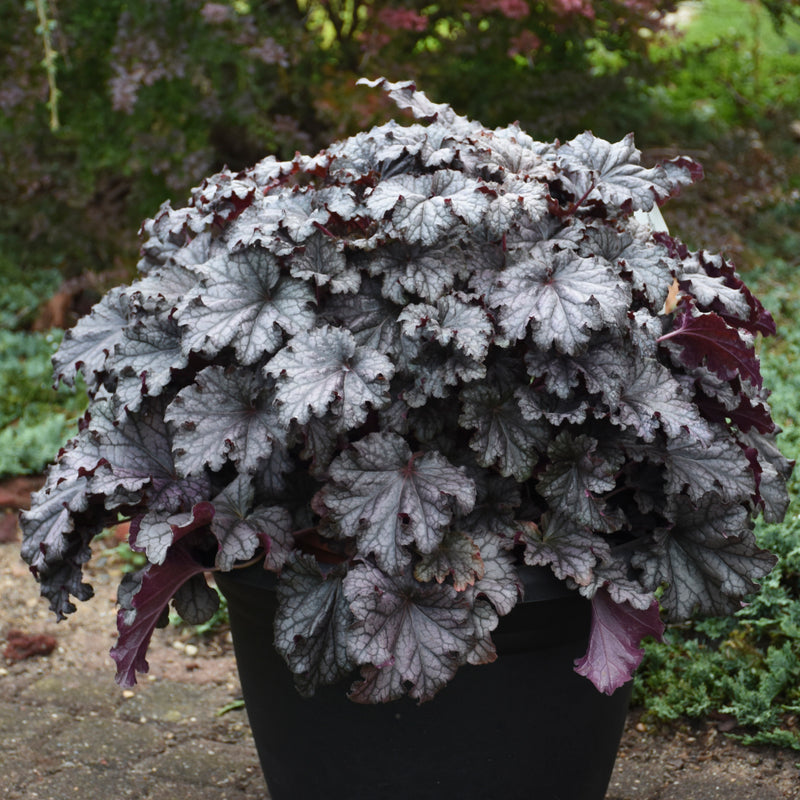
(226, 414)
(144, 360)
(578, 474)
(322, 260)
(457, 556)
(195, 601)
(368, 315)
(570, 549)
(86, 346)
(127, 454)
(719, 468)
(244, 303)
(56, 532)
(159, 528)
(388, 498)
(429, 272)
(434, 371)
(499, 583)
(560, 296)
(614, 174)
(503, 437)
(454, 319)
(312, 623)
(326, 365)
(425, 208)
(708, 560)
(410, 636)
(241, 527)
(651, 399)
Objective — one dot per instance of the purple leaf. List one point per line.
(138, 617)
(758, 320)
(614, 642)
(706, 338)
(745, 416)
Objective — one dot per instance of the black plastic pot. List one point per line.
(524, 727)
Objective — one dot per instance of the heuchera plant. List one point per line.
(399, 370)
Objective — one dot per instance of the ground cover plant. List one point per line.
(34, 418)
(401, 368)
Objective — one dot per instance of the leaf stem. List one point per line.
(49, 62)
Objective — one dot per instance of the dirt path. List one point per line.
(69, 731)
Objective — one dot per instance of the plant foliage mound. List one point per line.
(403, 369)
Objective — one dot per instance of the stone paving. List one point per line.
(83, 737)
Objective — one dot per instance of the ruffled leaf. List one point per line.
(570, 549)
(457, 557)
(225, 415)
(388, 498)
(86, 346)
(708, 560)
(503, 437)
(719, 468)
(422, 209)
(560, 296)
(326, 366)
(244, 303)
(411, 636)
(241, 527)
(312, 623)
(454, 319)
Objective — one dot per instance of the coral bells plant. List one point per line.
(400, 371)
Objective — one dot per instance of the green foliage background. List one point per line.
(153, 95)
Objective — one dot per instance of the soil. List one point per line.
(681, 761)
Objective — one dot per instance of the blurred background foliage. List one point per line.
(108, 109)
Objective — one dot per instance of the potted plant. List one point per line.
(410, 376)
